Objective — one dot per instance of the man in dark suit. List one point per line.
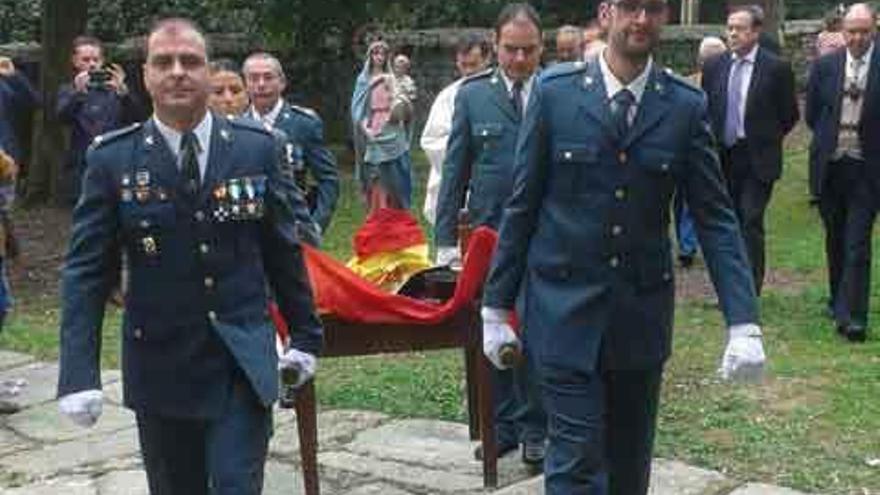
(95, 102)
(478, 175)
(17, 97)
(753, 106)
(843, 111)
(202, 210)
(305, 148)
(584, 251)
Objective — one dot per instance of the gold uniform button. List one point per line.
(200, 216)
(614, 262)
(209, 282)
(622, 157)
(620, 194)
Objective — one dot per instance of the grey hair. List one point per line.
(272, 59)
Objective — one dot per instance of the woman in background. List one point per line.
(228, 95)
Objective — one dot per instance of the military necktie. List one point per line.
(622, 103)
(189, 163)
(516, 97)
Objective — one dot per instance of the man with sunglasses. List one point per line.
(584, 251)
(753, 106)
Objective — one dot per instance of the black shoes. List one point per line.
(533, 453)
(686, 260)
(853, 333)
(503, 449)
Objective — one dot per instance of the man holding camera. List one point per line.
(95, 102)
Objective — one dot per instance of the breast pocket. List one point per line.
(662, 172)
(572, 165)
(487, 135)
(147, 227)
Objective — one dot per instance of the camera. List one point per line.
(98, 79)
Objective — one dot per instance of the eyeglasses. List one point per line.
(652, 8)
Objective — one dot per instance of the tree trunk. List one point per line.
(62, 21)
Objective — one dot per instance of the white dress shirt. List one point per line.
(203, 135)
(636, 86)
(270, 117)
(435, 136)
(747, 69)
(526, 89)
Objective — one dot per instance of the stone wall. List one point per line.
(326, 84)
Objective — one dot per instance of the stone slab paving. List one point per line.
(677, 478)
(334, 429)
(9, 359)
(45, 423)
(89, 453)
(762, 489)
(11, 442)
(128, 482)
(40, 382)
(400, 474)
(360, 452)
(77, 485)
(377, 489)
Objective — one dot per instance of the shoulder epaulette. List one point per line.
(111, 136)
(478, 75)
(681, 80)
(305, 111)
(251, 125)
(563, 69)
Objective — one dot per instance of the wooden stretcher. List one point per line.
(463, 330)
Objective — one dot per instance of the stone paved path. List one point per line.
(361, 453)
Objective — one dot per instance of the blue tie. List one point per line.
(621, 104)
(733, 120)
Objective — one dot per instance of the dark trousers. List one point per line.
(218, 457)
(750, 197)
(848, 212)
(519, 413)
(601, 431)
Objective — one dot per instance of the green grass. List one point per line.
(811, 425)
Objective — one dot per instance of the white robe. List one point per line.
(434, 137)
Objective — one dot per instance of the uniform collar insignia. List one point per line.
(224, 134)
(149, 141)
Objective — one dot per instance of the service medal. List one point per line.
(142, 178)
(150, 246)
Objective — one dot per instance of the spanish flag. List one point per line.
(389, 248)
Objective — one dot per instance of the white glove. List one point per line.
(448, 256)
(304, 363)
(744, 358)
(83, 408)
(497, 334)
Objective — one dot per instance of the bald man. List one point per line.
(569, 44)
(843, 111)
